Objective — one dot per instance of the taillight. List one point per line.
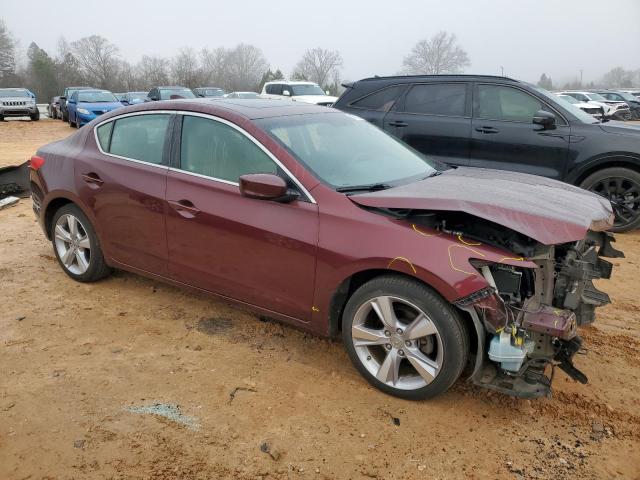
(36, 162)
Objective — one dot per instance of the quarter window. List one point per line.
(437, 99)
(382, 100)
(140, 137)
(104, 135)
(214, 149)
(505, 103)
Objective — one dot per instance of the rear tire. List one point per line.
(420, 353)
(76, 245)
(621, 186)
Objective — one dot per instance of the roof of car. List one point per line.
(172, 86)
(292, 82)
(436, 77)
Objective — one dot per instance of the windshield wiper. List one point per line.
(372, 187)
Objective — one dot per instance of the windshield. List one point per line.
(305, 89)
(569, 99)
(344, 151)
(214, 92)
(596, 97)
(166, 94)
(584, 117)
(13, 92)
(96, 97)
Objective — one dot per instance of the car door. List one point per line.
(375, 106)
(72, 105)
(435, 119)
(504, 135)
(256, 251)
(123, 182)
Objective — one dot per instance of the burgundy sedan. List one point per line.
(321, 220)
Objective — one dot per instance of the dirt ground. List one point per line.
(83, 368)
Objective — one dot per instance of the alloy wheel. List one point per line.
(397, 343)
(624, 195)
(72, 244)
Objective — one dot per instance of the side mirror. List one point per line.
(201, 95)
(545, 119)
(71, 100)
(124, 102)
(154, 98)
(286, 93)
(265, 186)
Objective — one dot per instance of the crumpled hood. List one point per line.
(105, 106)
(314, 98)
(546, 210)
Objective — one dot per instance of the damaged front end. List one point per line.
(530, 316)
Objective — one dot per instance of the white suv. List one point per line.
(308, 92)
(612, 109)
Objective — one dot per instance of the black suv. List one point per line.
(498, 122)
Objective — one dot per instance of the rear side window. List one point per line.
(140, 137)
(274, 89)
(437, 99)
(382, 100)
(104, 135)
(214, 149)
(505, 103)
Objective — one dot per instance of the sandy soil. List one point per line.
(82, 366)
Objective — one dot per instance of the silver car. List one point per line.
(18, 102)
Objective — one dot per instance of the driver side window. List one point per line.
(214, 149)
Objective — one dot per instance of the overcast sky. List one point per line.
(559, 37)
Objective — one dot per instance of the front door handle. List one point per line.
(92, 179)
(487, 130)
(185, 208)
(398, 123)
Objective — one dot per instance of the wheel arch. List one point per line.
(621, 160)
(349, 285)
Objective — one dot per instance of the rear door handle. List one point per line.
(398, 123)
(184, 207)
(92, 178)
(487, 130)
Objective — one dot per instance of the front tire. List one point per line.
(621, 186)
(76, 245)
(35, 116)
(404, 338)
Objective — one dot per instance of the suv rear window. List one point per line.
(382, 100)
(437, 99)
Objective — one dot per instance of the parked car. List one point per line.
(18, 102)
(633, 91)
(63, 100)
(133, 98)
(497, 122)
(53, 107)
(205, 92)
(593, 109)
(624, 97)
(307, 92)
(612, 109)
(243, 95)
(321, 220)
(168, 93)
(85, 105)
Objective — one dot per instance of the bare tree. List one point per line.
(7, 56)
(618, 77)
(215, 66)
(246, 65)
(439, 54)
(97, 59)
(318, 65)
(153, 71)
(185, 68)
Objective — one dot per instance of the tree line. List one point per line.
(97, 62)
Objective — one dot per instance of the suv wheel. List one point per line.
(35, 116)
(76, 245)
(404, 338)
(621, 186)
